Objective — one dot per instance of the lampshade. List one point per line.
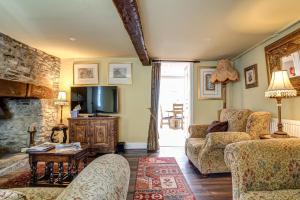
(61, 98)
(224, 73)
(280, 86)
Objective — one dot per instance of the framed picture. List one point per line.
(284, 54)
(207, 89)
(85, 74)
(251, 78)
(119, 73)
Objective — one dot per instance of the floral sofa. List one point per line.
(106, 178)
(206, 150)
(265, 169)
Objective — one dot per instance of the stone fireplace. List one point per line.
(22, 63)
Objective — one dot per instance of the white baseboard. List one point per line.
(135, 145)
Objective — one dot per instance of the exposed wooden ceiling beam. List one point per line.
(129, 14)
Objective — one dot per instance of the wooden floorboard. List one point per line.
(214, 187)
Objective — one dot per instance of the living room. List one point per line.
(80, 99)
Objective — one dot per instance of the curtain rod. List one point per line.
(192, 61)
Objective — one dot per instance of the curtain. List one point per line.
(152, 143)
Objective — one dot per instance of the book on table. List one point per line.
(42, 147)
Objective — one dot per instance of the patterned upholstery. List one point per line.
(237, 119)
(206, 150)
(107, 177)
(197, 131)
(272, 195)
(195, 144)
(265, 169)
(38, 193)
(11, 195)
(258, 124)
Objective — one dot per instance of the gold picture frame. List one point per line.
(285, 54)
(207, 89)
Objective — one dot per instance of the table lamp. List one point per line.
(61, 101)
(280, 87)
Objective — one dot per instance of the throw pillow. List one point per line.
(11, 195)
(217, 126)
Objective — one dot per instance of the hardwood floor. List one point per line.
(214, 187)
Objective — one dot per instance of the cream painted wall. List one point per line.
(134, 99)
(204, 111)
(253, 98)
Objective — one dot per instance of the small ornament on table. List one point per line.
(75, 111)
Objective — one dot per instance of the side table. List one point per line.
(61, 156)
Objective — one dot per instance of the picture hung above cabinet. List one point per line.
(120, 73)
(85, 74)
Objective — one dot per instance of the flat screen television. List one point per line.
(95, 99)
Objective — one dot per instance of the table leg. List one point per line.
(33, 167)
(69, 173)
(76, 165)
(60, 172)
(85, 162)
(46, 174)
(51, 176)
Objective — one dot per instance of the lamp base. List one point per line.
(280, 134)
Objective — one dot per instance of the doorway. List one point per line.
(175, 103)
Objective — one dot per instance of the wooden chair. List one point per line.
(178, 113)
(164, 119)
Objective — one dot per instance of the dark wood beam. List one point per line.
(129, 14)
(14, 89)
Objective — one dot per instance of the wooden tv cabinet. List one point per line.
(100, 134)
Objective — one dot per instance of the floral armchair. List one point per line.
(265, 169)
(206, 150)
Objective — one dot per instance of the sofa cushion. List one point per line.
(11, 195)
(217, 126)
(258, 124)
(237, 119)
(194, 145)
(292, 194)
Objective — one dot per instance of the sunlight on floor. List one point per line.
(171, 137)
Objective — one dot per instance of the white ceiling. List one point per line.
(173, 29)
(48, 25)
(211, 29)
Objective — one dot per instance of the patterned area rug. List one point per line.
(160, 178)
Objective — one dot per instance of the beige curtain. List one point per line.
(152, 144)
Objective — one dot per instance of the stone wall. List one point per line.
(20, 62)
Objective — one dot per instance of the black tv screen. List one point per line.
(95, 99)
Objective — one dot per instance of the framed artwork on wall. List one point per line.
(284, 54)
(119, 73)
(251, 78)
(207, 89)
(85, 74)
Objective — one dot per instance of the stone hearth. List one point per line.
(20, 62)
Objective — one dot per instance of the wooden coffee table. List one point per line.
(60, 178)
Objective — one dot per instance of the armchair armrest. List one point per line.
(219, 140)
(197, 131)
(263, 165)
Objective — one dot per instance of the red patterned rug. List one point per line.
(160, 178)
